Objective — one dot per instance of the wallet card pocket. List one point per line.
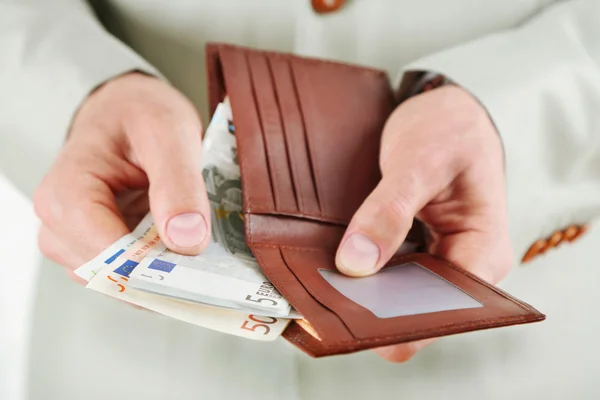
(308, 131)
(440, 299)
(401, 290)
(344, 110)
(325, 323)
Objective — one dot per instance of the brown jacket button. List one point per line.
(541, 246)
(555, 239)
(571, 232)
(325, 6)
(535, 250)
(580, 231)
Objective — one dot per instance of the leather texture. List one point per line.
(308, 134)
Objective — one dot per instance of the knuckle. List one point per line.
(160, 120)
(503, 259)
(499, 260)
(190, 197)
(74, 278)
(403, 357)
(398, 205)
(396, 210)
(147, 120)
(38, 203)
(503, 267)
(400, 188)
(46, 248)
(397, 354)
(43, 204)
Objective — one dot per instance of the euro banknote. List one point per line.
(213, 277)
(108, 273)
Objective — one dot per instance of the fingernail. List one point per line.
(358, 255)
(187, 230)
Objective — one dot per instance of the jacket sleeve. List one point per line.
(540, 83)
(52, 55)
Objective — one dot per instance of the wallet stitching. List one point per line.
(489, 286)
(243, 177)
(250, 219)
(483, 324)
(277, 282)
(297, 214)
(275, 246)
(364, 70)
(310, 288)
(463, 271)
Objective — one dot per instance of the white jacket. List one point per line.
(533, 64)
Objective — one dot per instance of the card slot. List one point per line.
(343, 126)
(295, 134)
(214, 73)
(313, 259)
(292, 231)
(251, 148)
(272, 130)
(272, 263)
(330, 137)
(300, 215)
(498, 309)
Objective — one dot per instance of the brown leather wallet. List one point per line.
(308, 134)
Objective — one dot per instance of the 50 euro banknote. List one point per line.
(108, 273)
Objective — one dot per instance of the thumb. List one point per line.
(178, 201)
(380, 226)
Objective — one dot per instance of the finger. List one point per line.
(134, 206)
(402, 352)
(55, 250)
(411, 179)
(80, 210)
(473, 235)
(487, 256)
(381, 223)
(169, 151)
(71, 274)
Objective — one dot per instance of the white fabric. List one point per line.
(18, 284)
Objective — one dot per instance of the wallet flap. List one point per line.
(308, 130)
(415, 296)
